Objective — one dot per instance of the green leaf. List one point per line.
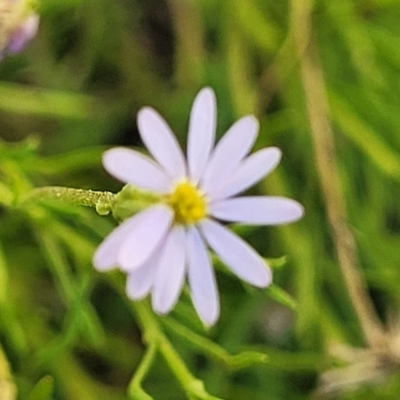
(257, 25)
(282, 297)
(368, 141)
(139, 394)
(43, 389)
(277, 263)
(237, 361)
(22, 99)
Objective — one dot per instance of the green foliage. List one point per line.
(43, 389)
(68, 332)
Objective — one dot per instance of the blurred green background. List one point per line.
(68, 332)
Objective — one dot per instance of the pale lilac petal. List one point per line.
(171, 272)
(201, 277)
(249, 172)
(236, 254)
(132, 167)
(142, 241)
(161, 142)
(106, 255)
(140, 281)
(23, 34)
(201, 135)
(257, 210)
(228, 153)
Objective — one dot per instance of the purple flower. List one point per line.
(166, 243)
(18, 25)
(23, 34)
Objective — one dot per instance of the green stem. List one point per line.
(189, 39)
(102, 201)
(154, 336)
(6, 195)
(135, 390)
(237, 361)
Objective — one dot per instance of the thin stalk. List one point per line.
(324, 147)
(238, 361)
(189, 38)
(135, 390)
(154, 336)
(102, 201)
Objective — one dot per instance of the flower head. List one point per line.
(18, 25)
(167, 242)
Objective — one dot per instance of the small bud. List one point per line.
(103, 208)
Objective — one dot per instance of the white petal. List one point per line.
(140, 281)
(171, 272)
(106, 255)
(236, 254)
(249, 172)
(203, 287)
(201, 135)
(228, 153)
(260, 210)
(161, 142)
(147, 234)
(132, 167)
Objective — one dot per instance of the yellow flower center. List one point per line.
(188, 203)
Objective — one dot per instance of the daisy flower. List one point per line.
(162, 246)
